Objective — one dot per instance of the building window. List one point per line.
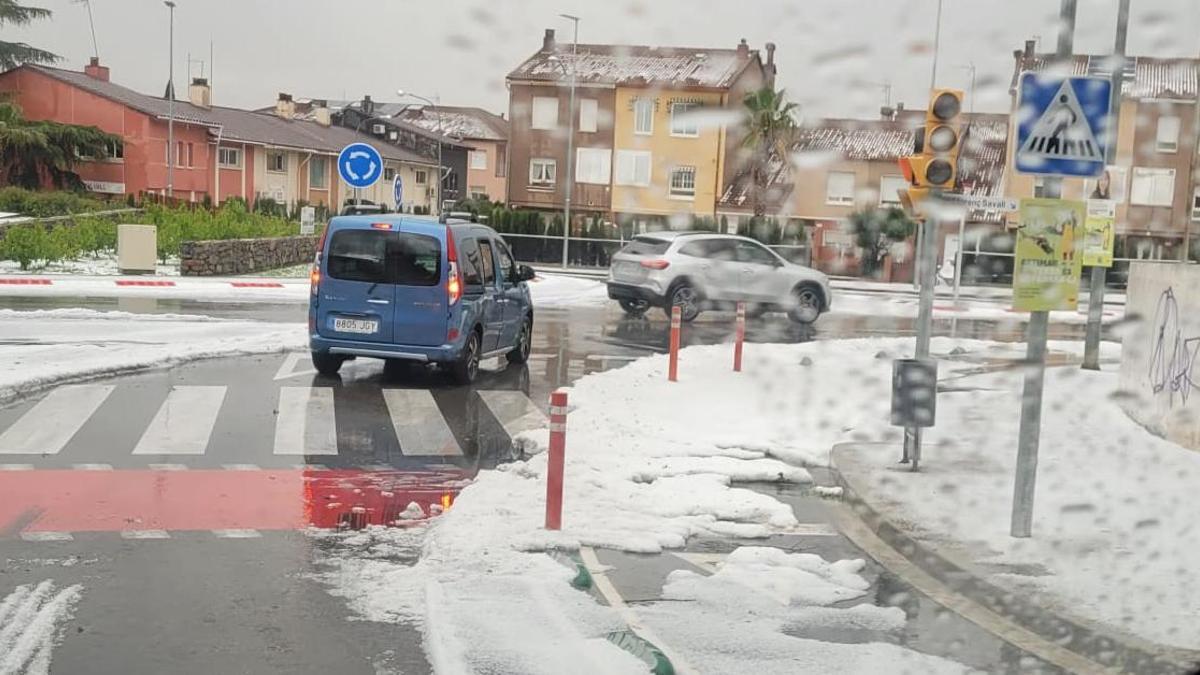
(545, 112)
(589, 109)
(230, 158)
(1152, 187)
(633, 168)
(478, 192)
(389, 173)
(889, 190)
(1039, 187)
(478, 159)
(501, 161)
(542, 172)
(683, 182)
(420, 177)
(184, 154)
(1167, 138)
(839, 188)
(593, 165)
(318, 172)
(683, 120)
(276, 162)
(1196, 204)
(643, 116)
(114, 150)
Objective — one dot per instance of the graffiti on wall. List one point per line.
(1172, 356)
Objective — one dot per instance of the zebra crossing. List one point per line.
(90, 427)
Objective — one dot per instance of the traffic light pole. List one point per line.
(1030, 429)
(1091, 341)
(927, 270)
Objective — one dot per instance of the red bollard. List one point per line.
(554, 465)
(741, 337)
(676, 323)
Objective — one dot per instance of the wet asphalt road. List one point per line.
(203, 562)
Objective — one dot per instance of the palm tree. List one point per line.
(13, 54)
(770, 124)
(33, 153)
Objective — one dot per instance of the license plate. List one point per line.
(627, 270)
(365, 326)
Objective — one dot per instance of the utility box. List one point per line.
(914, 392)
(137, 249)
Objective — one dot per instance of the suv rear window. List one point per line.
(646, 246)
(374, 256)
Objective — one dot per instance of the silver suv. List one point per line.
(700, 270)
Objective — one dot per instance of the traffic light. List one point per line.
(935, 164)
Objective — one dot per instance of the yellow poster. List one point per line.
(1048, 255)
(1098, 233)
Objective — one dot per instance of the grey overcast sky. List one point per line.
(833, 55)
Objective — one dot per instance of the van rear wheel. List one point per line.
(326, 363)
(520, 353)
(466, 367)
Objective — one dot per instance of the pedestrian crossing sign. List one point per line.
(1063, 125)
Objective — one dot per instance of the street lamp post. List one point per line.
(401, 93)
(171, 103)
(570, 138)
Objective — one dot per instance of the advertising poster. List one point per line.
(1098, 233)
(1048, 255)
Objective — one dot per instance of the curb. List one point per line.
(641, 648)
(1089, 642)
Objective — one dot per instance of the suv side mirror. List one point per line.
(525, 273)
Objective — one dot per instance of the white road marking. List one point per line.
(145, 534)
(513, 409)
(92, 467)
(287, 369)
(814, 530)
(46, 427)
(707, 562)
(183, 423)
(305, 424)
(16, 467)
(237, 534)
(614, 600)
(168, 467)
(240, 467)
(46, 536)
(419, 424)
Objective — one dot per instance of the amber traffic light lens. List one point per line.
(939, 172)
(942, 139)
(945, 106)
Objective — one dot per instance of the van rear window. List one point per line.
(382, 257)
(646, 246)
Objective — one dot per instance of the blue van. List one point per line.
(416, 289)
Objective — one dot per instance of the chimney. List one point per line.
(285, 107)
(320, 112)
(743, 49)
(199, 93)
(1030, 48)
(548, 41)
(770, 67)
(96, 71)
(368, 106)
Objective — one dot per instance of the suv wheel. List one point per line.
(687, 299)
(634, 307)
(807, 305)
(466, 367)
(520, 353)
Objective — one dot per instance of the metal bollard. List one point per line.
(554, 464)
(676, 324)
(741, 337)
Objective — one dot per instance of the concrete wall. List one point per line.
(243, 256)
(1160, 387)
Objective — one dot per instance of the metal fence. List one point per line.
(539, 249)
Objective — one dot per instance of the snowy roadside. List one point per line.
(649, 465)
(45, 347)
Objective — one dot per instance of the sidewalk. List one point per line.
(1105, 573)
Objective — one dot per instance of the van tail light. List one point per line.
(454, 283)
(656, 264)
(314, 275)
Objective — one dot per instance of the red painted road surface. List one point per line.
(107, 501)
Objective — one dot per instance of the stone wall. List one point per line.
(243, 256)
(1160, 386)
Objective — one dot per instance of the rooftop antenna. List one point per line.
(92, 23)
